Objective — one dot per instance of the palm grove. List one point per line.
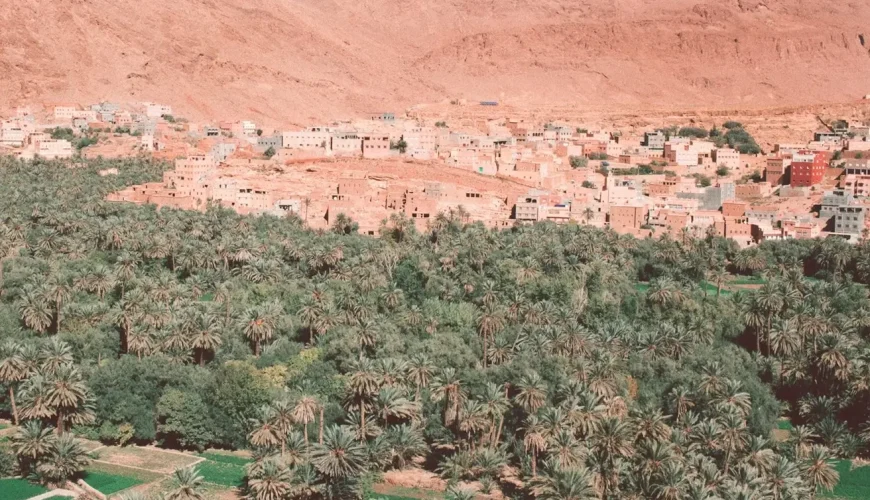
(527, 361)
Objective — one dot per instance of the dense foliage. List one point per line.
(558, 362)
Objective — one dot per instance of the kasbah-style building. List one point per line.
(501, 172)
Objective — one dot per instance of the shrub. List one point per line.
(730, 124)
(589, 185)
(269, 153)
(578, 162)
(722, 171)
(692, 132)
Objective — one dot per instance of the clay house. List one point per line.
(735, 209)
(309, 138)
(627, 217)
(768, 214)
(800, 230)
(382, 117)
(64, 113)
(566, 150)
(859, 185)
(655, 140)
(752, 190)
(775, 170)
(726, 157)
(764, 231)
(850, 219)
(833, 199)
(375, 146)
(12, 134)
(527, 208)
(275, 142)
(54, 149)
(807, 169)
(857, 166)
(420, 139)
(123, 119)
(154, 110)
(346, 144)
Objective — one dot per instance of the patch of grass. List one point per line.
(146, 458)
(107, 483)
(854, 483)
(710, 288)
(383, 491)
(143, 476)
(207, 297)
(784, 425)
(748, 280)
(225, 470)
(641, 287)
(19, 489)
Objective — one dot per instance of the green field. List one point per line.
(224, 470)
(784, 425)
(108, 483)
(854, 483)
(19, 489)
(748, 280)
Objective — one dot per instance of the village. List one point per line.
(680, 181)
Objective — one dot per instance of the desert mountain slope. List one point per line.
(297, 60)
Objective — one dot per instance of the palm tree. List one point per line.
(564, 484)
(770, 299)
(534, 440)
(31, 442)
(304, 413)
(206, 338)
(282, 419)
(532, 392)
(12, 371)
(340, 456)
(420, 372)
(66, 393)
(818, 471)
(612, 440)
(57, 291)
(392, 403)
(66, 459)
(406, 443)
(269, 480)
(258, 324)
(265, 433)
(187, 485)
(362, 385)
(717, 275)
(34, 309)
(489, 322)
(447, 387)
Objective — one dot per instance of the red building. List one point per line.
(808, 168)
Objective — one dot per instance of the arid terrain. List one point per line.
(305, 60)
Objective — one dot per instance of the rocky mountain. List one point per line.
(294, 61)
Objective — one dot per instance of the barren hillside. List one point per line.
(306, 59)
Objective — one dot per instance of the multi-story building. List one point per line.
(857, 166)
(623, 217)
(655, 140)
(726, 157)
(850, 219)
(834, 199)
(53, 149)
(775, 170)
(807, 169)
